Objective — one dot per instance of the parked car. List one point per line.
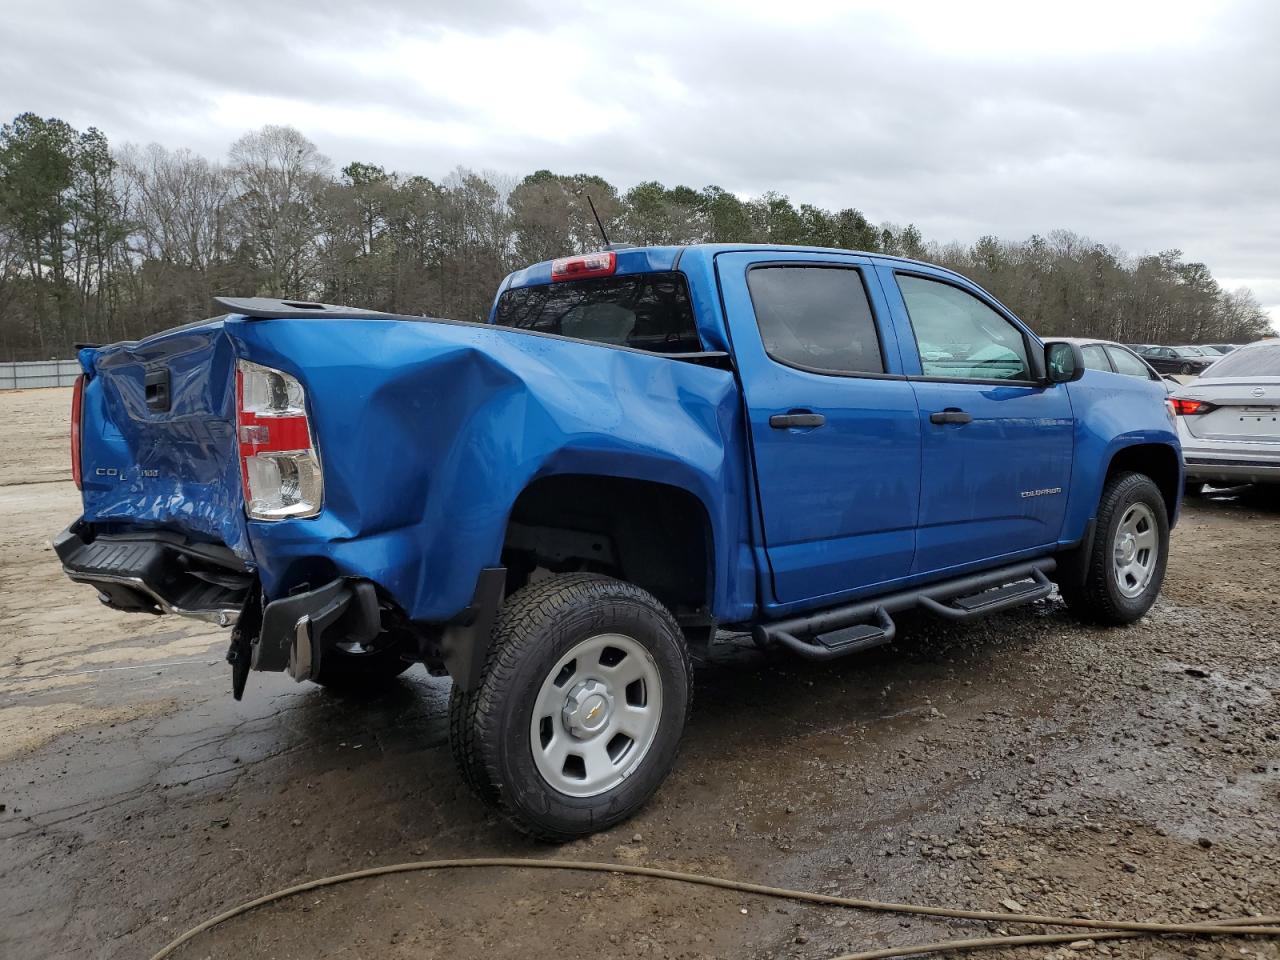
(1229, 419)
(642, 445)
(1183, 360)
(1107, 356)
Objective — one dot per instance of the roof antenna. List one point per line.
(598, 223)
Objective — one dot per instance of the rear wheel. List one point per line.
(580, 707)
(1125, 567)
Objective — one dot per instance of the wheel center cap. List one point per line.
(587, 709)
(1127, 548)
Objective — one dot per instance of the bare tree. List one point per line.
(97, 246)
(180, 205)
(279, 177)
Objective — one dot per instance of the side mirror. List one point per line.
(1063, 362)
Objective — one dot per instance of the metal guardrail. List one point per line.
(27, 375)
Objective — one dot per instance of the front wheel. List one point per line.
(1125, 567)
(580, 708)
(1185, 369)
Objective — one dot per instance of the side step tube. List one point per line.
(840, 631)
(841, 642)
(1002, 598)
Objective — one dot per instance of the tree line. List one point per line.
(100, 244)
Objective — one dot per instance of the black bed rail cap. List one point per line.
(270, 308)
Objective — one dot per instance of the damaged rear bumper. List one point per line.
(298, 629)
(156, 571)
(160, 571)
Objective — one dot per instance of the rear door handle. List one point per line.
(786, 421)
(951, 415)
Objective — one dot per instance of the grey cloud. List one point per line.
(1168, 147)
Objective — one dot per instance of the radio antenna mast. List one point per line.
(598, 222)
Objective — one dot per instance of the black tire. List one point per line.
(1185, 369)
(1096, 597)
(490, 727)
(462, 744)
(356, 672)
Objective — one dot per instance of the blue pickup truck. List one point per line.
(641, 446)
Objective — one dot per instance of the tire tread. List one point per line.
(1092, 600)
(476, 721)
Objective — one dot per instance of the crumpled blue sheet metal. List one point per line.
(427, 433)
(176, 469)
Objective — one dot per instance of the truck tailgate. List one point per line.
(158, 447)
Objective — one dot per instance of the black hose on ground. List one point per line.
(1099, 929)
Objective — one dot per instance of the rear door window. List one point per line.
(816, 318)
(1126, 363)
(647, 311)
(1095, 358)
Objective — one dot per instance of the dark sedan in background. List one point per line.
(1184, 360)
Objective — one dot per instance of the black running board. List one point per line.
(989, 601)
(841, 631)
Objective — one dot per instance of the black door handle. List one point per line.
(786, 421)
(951, 415)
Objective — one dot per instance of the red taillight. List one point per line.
(77, 403)
(579, 268)
(1184, 408)
(279, 465)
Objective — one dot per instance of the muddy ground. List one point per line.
(1130, 772)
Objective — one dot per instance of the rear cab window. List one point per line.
(644, 311)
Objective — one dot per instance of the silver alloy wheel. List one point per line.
(596, 715)
(1135, 550)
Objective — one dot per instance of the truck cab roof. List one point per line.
(642, 259)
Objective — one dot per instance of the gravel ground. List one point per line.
(1022, 760)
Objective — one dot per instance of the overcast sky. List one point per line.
(1145, 124)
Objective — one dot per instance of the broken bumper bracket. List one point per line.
(297, 629)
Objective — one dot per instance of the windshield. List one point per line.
(1189, 351)
(647, 311)
(1258, 360)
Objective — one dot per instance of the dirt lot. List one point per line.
(1131, 772)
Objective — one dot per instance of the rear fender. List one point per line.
(429, 432)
